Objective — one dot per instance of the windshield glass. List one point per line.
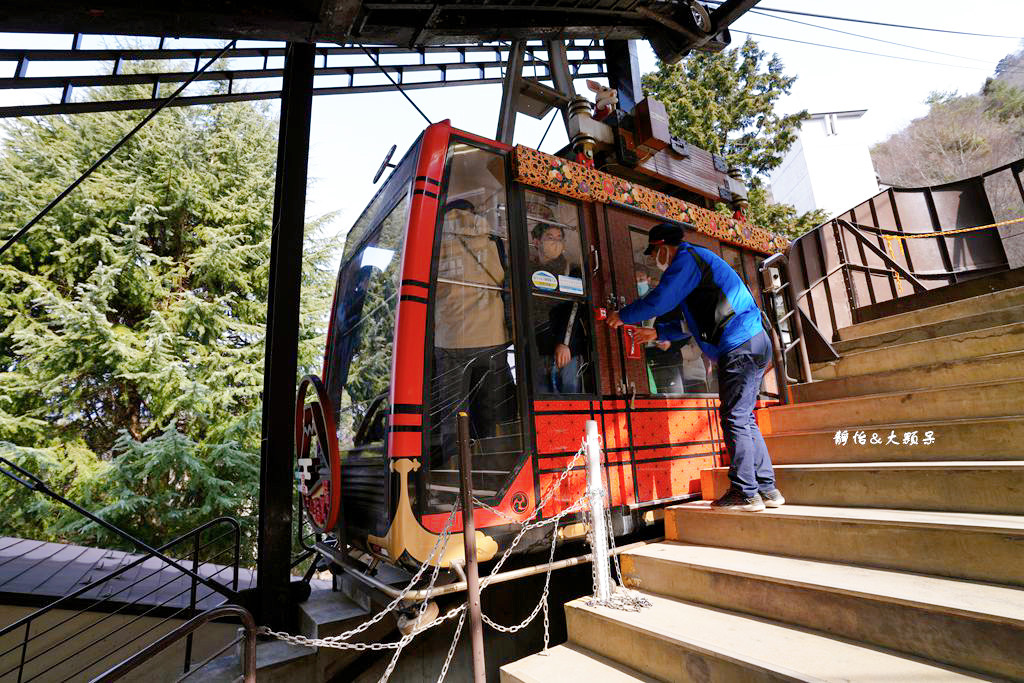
(359, 365)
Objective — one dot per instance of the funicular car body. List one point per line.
(474, 281)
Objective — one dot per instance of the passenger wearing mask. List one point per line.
(698, 286)
(562, 337)
(471, 335)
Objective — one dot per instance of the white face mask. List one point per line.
(642, 288)
(662, 265)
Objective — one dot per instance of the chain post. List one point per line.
(596, 494)
(476, 626)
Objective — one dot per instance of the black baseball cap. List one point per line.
(663, 233)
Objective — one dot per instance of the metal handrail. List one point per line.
(880, 253)
(249, 649)
(64, 602)
(121, 570)
(37, 484)
(781, 260)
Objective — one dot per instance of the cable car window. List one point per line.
(558, 306)
(474, 367)
(359, 367)
(672, 367)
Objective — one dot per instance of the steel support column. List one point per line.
(510, 93)
(276, 451)
(560, 75)
(624, 72)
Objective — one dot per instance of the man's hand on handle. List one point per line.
(562, 356)
(644, 334)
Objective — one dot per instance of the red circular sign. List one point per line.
(317, 458)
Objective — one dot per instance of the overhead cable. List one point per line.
(395, 83)
(544, 137)
(865, 52)
(858, 35)
(99, 162)
(881, 23)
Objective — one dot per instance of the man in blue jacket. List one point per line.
(699, 287)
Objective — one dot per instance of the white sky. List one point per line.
(352, 133)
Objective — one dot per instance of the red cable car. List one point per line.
(473, 282)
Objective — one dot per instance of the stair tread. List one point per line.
(922, 518)
(897, 424)
(971, 303)
(929, 375)
(989, 331)
(977, 314)
(897, 465)
(758, 643)
(990, 601)
(570, 660)
(943, 390)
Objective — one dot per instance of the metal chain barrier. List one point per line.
(340, 641)
(621, 597)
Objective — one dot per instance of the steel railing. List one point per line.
(173, 591)
(781, 304)
(186, 630)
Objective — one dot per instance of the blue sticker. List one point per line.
(542, 279)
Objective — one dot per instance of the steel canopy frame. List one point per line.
(426, 67)
(414, 28)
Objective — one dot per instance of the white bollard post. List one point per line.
(597, 494)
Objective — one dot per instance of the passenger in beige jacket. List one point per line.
(472, 341)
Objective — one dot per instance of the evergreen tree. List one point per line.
(132, 317)
(724, 102)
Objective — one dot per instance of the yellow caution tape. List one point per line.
(889, 239)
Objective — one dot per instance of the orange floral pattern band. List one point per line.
(570, 179)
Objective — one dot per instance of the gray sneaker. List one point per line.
(773, 498)
(735, 500)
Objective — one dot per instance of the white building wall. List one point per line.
(829, 167)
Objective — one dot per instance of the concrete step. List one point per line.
(968, 371)
(993, 301)
(978, 321)
(675, 640)
(983, 487)
(276, 662)
(953, 544)
(971, 625)
(991, 438)
(324, 613)
(986, 399)
(570, 663)
(967, 289)
(991, 340)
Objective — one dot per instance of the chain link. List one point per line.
(340, 641)
(543, 603)
(622, 598)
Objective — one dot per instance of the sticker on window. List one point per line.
(542, 279)
(570, 285)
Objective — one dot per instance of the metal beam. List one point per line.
(277, 449)
(558, 62)
(446, 65)
(624, 72)
(510, 93)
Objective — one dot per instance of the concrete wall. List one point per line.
(829, 167)
(47, 651)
